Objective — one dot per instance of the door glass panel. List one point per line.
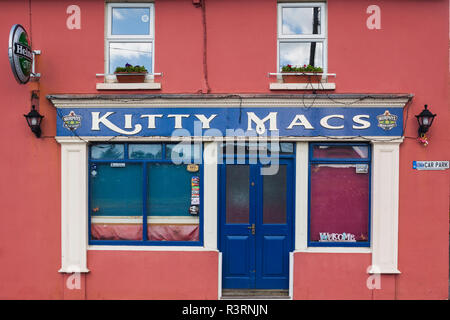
(237, 194)
(274, 197)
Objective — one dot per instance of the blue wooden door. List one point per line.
(256, 222)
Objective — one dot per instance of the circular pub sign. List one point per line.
(20, 54)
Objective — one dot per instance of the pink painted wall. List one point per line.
(408, 55)
(152, 275)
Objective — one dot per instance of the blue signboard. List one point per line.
(245, 121)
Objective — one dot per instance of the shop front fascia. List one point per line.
(302, 120)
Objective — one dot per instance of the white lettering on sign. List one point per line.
(260, 127)
(300, 120)
(430, 165)
(204, 120)
(360, 122)
(363, 124)
(324, 122)
(96, 120)
(151, 119)
(178, 119)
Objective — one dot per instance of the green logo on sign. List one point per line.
(387, 121)
(20, 54)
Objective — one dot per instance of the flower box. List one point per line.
(305, 74)
(303, 78)
(130, 74)
(130, 77)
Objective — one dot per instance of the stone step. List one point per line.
(254, 294)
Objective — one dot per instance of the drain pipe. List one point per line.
(205, 84)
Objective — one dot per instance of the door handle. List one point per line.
(252, 227)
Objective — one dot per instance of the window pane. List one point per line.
(170, 192)
(341, 152)
(339, 203)
(145, 151)
(274, 197)
(301, 21)
(107, 151)
(134, 53)
(237, 194)
(116, 201)
(169, 189)
(301, 53)
(282, 148)
(184, 152)
(130, 21)
(262, 148)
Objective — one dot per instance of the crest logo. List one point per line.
(387, 121)
(71, 121)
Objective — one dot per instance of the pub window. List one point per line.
(302, 35)
(145, 194)
(339, 195)
(130, 36)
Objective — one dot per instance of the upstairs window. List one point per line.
(302, 35)
(130, 36)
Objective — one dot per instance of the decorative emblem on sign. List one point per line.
(71, 121)
(20, 54)
(387, 121)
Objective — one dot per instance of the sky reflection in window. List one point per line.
(130, 21)
(298, 53)
(300, 21)
(134, 53)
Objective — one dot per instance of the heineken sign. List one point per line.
(20, 54)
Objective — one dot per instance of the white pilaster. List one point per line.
(74, 207)
(210, 195)
(385, 194)
(301, 196)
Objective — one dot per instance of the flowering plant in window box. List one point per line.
(130, 74)
(309, 74)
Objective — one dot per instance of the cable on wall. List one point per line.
(205, 86)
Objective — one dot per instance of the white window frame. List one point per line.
(322, 37)
(110, 38)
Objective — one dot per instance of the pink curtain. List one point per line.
(166, 232)
(155, 232)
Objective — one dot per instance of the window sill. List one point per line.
(149, 248)
(303, 86)
(335, 250)
(129, 86)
